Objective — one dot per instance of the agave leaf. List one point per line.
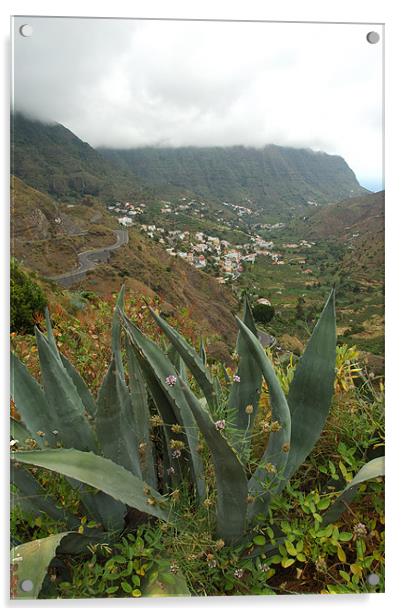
(116, 332)
(371, 470)
(191, 359)
(31, 403)
(159, 368)
(29, 565)
(101, 474)
(141, 417)
(202, 353)
(32, 497)
(68, 413)
(231, 481)
(50, 336)
(246, 392)
(312, 387)
(81, 387)
(265, 482)
(18, 431)
(115, 428)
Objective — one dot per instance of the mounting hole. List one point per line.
(27, 585)
(26, 30)
(373, 579)
(373, 37)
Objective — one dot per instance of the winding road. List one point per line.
(89, 259)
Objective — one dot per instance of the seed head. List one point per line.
(249, 409)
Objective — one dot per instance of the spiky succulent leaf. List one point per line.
(371, 470)
(81, 387)
(31, 403)
(191, 358)
(29, 565)
(116, 332)
(141, 417)
(64, 402)
(312, 388)
(245, 393)
(165, 395)
(18, 431)
(231, 481)
(101, 474)
(115, 428)
(266, 480)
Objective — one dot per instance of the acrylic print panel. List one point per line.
(195, 410)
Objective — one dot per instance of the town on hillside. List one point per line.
(217, 256)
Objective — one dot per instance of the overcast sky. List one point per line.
(128, 83)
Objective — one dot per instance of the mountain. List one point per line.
(50, 158)
(272, 177)
(342, 220)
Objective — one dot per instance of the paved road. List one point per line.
(89, 259)
(265, 339)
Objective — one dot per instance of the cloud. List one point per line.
(128, 83)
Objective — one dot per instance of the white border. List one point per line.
(366, 11)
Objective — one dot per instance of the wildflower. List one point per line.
(220, 424)
(55, 432)
(170, 471)
(275, 426)
(220, 544)
(236, 378)
(238, 573)
(207, 503)
(176, 444)
(13, 442)
(211, 561)
(151, 501)
(176, 428)
(265, 426)
(171, 380)
(360, 530)
(270, 468)
(249, 409)
(176, 453)
(174, 567)
(264, 567)
(40, 433)
(155, 421)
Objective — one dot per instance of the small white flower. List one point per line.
(220, 424)
(13, 442)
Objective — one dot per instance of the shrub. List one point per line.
(263, 313)
(27, 300)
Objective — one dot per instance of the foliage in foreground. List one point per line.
(101, 434)
(27, 300)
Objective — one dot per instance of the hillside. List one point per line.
(272, 177)
(48, 235)
(50, 158)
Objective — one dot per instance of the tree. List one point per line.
(27, 300)
(263, 313)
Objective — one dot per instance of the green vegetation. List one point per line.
(241, 544)
(263, 313)
(270, 177)
(27, 301)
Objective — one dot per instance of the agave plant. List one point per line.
(106, 443)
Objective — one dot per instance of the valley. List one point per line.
(284, 239)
